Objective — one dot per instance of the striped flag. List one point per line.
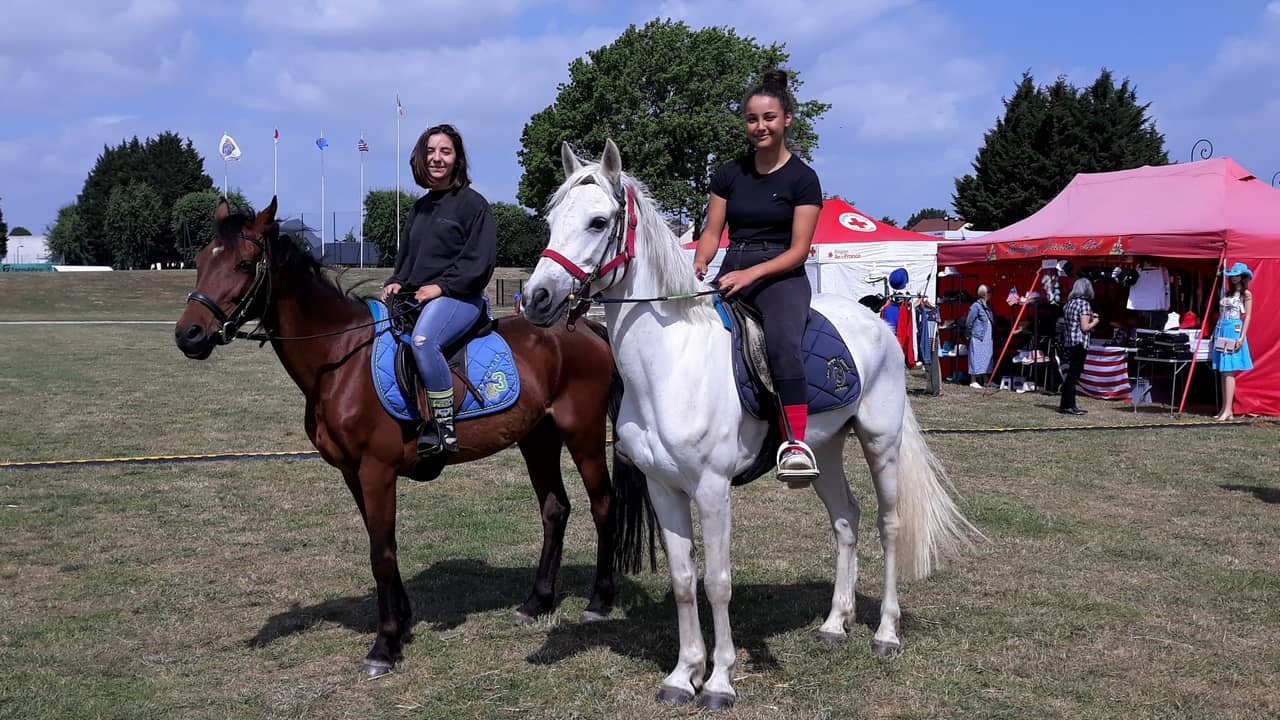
(399, 107)
(362, 146)
(277, 135)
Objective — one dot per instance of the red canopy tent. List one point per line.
(1195, 211)
(839, 222)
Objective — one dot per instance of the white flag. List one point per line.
(228, 148)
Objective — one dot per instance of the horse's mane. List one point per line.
(287, 254)
(657, 247)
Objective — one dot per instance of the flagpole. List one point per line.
(275, 166)
(322, 200)
(361, 201)
(224, 166)
(399, 111)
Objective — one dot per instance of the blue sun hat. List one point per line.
(898, 279)
(1239, 269)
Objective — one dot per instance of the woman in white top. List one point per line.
(1231, 334)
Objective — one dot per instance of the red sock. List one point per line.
(797, 417)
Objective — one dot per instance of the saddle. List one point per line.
(404, 316)
(830, 372)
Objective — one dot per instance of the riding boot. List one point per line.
(437, 434)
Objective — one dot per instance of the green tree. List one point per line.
(4, 236)
(669, 97)
(380, 221)
(928, 213)
(169, 165)
(67, 237)
(19, 231)
(522, 236)
(886, 220)
(1046, 137)
(191, 221)
(134, 226)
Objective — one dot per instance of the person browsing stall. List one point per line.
(448, 250)
(1080, 320)
(770, 200)
(979, 327)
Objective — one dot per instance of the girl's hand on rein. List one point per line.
(735, 281)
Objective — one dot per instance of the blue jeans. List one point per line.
(442, 322)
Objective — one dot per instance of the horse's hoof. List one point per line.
(523, 618)
(377, 668)
(830, 638)
(885, 649)
(673, 696)
(591, 616)
(716, 701)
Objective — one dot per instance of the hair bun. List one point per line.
(775, 78)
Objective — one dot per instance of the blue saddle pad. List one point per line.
(491, 369)
(832, 376)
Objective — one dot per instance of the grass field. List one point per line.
(1129, 573)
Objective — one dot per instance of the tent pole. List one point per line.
(1204, 323)
(992, 375)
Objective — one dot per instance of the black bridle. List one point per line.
(229, 323)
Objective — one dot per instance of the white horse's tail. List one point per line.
(930, 526)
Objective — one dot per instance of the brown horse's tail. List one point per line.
(631, 514)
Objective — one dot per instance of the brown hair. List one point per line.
(772, 84)
(459, 178)
(1244, 284)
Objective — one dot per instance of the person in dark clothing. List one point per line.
(770, 200)
(448, 249)
(1079, 320)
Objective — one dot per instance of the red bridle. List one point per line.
(623, 236)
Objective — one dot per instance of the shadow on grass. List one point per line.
(757, 613)
(447, 593)
(1265, 494)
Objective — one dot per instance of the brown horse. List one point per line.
(323, 338)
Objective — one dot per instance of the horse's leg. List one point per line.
(374, 488)
(587, 448)
(833, 488)
(881, 438)
(716, 517)
(541, 450)
(672, 508)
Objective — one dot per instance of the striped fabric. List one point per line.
(1106, 373)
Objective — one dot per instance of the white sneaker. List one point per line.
(975, 386)
(796, 464)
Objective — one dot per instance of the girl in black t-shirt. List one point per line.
(770, 200)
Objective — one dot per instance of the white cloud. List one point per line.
(403, 23)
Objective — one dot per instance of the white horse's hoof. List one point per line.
(716, 701)
(376, 668)
(673, 696)
(522, 619)
(830, 638)
(885, 649)
(591, 616)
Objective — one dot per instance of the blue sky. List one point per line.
(913, 84)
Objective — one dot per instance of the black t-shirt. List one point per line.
(760, 208)
(449, 240)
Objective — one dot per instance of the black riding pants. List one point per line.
(783, 304)
(1075, 365)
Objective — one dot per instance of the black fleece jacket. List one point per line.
(450, 240)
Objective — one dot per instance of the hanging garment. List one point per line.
(1151, 291)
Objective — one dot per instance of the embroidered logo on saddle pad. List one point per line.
(493, 384)
(833, 380)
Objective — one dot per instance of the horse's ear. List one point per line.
(221, 212)
(268, 214)
(611, 163)
(569, 159)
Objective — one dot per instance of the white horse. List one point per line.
(682, 424)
